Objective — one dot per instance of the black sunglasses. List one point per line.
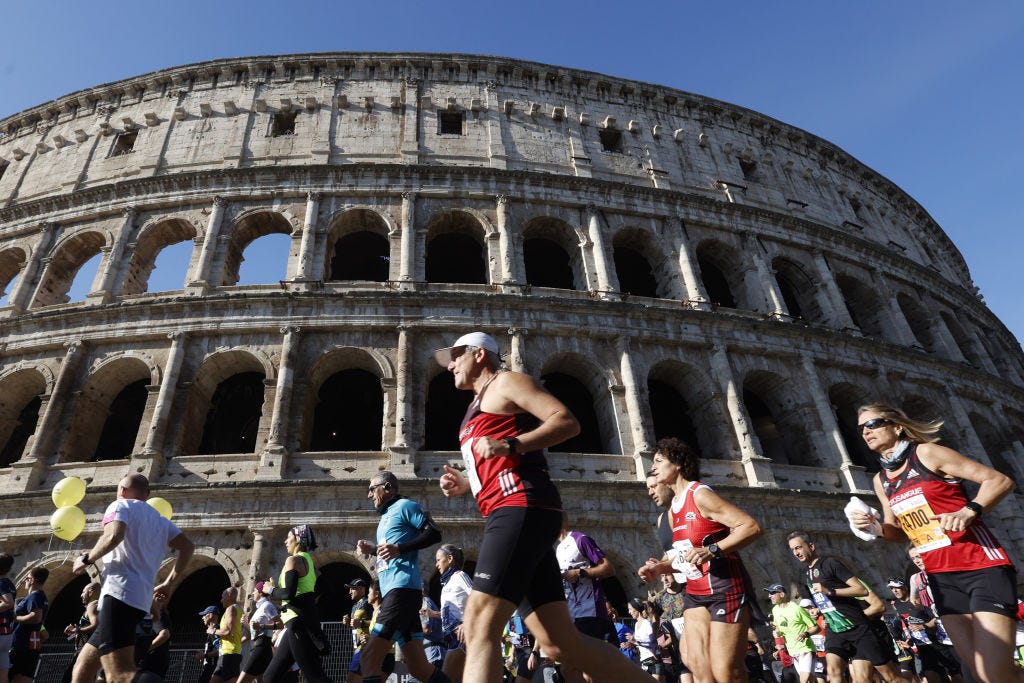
(873, 423)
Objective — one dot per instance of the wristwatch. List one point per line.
(512, 443)
(974, 507)
(85, 559)
(715, 551)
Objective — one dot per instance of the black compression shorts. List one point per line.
(860, 642)
(398, 620)
(116, 627)
(979, 590)
(517, 557)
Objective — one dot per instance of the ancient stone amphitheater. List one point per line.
(668, 264)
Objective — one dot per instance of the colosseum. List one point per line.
(666, 263)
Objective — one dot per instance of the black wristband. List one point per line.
(512, 443)
(86, 561)
(974, 507)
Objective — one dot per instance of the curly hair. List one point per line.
(678, 452)
(913, 430)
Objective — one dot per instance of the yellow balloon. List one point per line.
(67, 522)
(68, 491)
(161, 506)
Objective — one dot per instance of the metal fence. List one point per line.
(186, 666)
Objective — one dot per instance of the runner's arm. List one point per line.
(743, 529)
(994, 486)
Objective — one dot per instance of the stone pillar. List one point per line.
(757, 467)
(107, 275)
(982, 351)
(516, 359)
(607, 282)
(257, 560)
(31, 469)
(772, 296)
(21, 297)
(304, 269)
(946, 340)
(690, 270)
(504, 241)
(832, 302)
(200, 276)
(153, 458)
(854, 477)
(271, 465)
(407, 267)
(898, 325)
(640, 421)
(402, 449)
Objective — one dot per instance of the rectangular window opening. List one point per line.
(124, 143)
(450, 122)
(611, 139)
(283, 124)
(749, 169)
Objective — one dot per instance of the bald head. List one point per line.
(134, 486)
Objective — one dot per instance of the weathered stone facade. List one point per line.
(686, 265)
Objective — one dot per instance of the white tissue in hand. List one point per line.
(858, 505)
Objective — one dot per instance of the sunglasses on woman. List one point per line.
(873, 424)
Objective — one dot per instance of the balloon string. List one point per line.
(50, 544)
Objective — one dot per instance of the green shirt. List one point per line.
(792, 620)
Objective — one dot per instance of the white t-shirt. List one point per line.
(454, 595)
(263, 616)
(643, 634)
(129, 570)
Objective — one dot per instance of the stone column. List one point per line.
(516, 358)
(402, 449)
(987, 363)
(854, 477)
(607, 282)
(200, 276)
(832, 302)
(689, 269)
(945, 339)
(504, 240)
(304, 269)
(21, 297)
(407, 267)
(257, 560)
(271, 465)
(153, 458)
(898, 325)
(107, 275)
(757, 467)
(31, 469)
(640, 421)
(776, 305)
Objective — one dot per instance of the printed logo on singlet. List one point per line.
(507, 481)
(912, 473)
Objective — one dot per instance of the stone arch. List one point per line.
(640, 264)
(12, 260)
(845, 398)
(20, 401)
(249, 227)
(332, 598)
(962, 339)
(798, 289)
(109, 410)
(456, 247)
(207, 578)
(997, 447)
(692, 413)
(67, 258)
(153, 237)
(217, 369)
(358, 247)
(777, 419)
(919, 320)
(552, 255)
(721, 273)
(443, 410)
(863, 304)
(585, 390)
(349, 393)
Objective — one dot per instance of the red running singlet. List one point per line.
(520, 480)
(915, 496)
(690, 529)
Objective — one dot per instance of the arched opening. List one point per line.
(361, 256)
(798, 290)
(20, 403)
(963, 341)
(234, 415)
(349, 414)
(446, 407)
(261, 242)
(919, 321)
(332, 598)
(455, 249)
(197, 591)
(547, 264)
(635, 275)
(997, 448)
(712, 275)
(580, 402)
(777, 420)
(67, 606)
(23, 428)
(863, 305)
(117, 439)
(671, 414)
(11, 261)
(765, 428)
(72, 270)
(845, 399)
(161, 258)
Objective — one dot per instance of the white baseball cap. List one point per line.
(478, 339)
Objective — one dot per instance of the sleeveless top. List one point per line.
(915, 496)
(520, 480)
(691, 529)
(231, 644)
(303, 600)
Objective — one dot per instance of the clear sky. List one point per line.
(927, 93)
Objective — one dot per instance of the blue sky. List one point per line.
(928, 94)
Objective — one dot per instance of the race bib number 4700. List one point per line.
(915, 517)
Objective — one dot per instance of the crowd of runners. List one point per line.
(534, 608)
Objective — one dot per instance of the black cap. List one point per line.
(775, 588)
(356, 583)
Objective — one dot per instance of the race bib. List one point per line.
(469, 459)
(915, 517)
(684, 570)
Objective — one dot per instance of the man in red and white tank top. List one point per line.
(510, 422)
